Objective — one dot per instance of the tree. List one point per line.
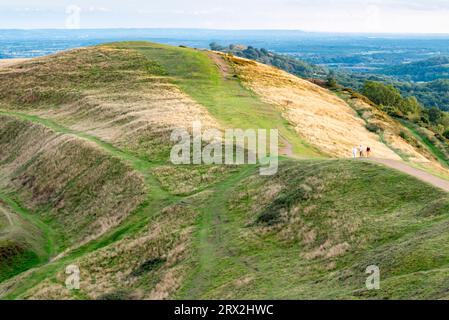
(331, 81)
(216, 47)
(435, 115)
(446, 134)
(252, 53)
(381, 94)
(411, 107)
(264, 51)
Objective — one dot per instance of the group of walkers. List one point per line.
(361, 152)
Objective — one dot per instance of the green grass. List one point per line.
(158, 198)
(211, 250)
(15, 259)
(49, 235)
(308, 232)
(430, 146)
(372, 209)
(36, 241)
(139, 164)
(226, 99)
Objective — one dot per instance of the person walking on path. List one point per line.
(354, 152)
(361, 150)
(368, 152)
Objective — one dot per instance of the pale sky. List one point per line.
(377, 16)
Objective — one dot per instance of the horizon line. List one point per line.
(227, 29)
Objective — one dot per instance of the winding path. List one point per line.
(419, 174)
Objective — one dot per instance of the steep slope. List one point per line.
(400, 136)
(73, 185)
(231, 104)
(22, 244)
(335, 122)
(389, 130)
(312, 230)
(85, 177)
(322, 118)
(86, 89)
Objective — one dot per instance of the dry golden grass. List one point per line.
(117, 95)
(391, 130)
(49, 290)
(412, 150)
(320, 117)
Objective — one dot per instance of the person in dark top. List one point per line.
(368, 152)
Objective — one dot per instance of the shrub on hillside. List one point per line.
(372, 127)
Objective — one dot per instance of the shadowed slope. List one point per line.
(72, 185)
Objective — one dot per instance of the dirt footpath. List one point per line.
(419, 174)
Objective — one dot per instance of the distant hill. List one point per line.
(425, 70)
(431, 94)
(285, 62)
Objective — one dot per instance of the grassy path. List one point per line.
(213, 243)
(157, 199)
(419, 174)
(211, 246)
(141, 165)
(42, 242)
(234, 106)
(49, 234)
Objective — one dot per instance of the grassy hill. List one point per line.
(85, 179)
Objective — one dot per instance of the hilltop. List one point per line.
(85, 179)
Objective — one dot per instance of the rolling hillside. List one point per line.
(85, 179)
(420, 71)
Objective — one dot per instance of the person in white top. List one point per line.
(361, 150)
(354, 152)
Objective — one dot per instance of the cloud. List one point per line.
(419, 5)
(316, 15)
(98, 9)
